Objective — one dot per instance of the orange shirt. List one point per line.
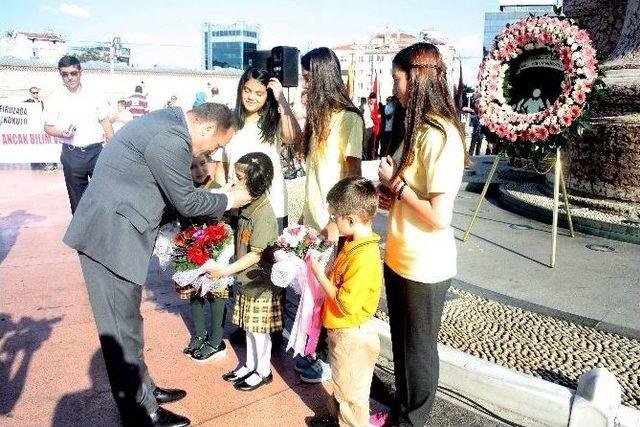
(357, 273)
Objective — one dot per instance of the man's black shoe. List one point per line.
(164, 418)
(166, 395)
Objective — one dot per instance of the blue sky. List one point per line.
(168, 32)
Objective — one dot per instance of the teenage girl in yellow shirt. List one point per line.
(422, 180)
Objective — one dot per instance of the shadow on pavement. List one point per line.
(19, 340)
(10, 226)
(500, 246)
(160, 290)
(93, 406)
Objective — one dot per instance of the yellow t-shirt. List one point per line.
(414, 250)
(325, 169)
(357, 273)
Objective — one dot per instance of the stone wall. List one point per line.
(605, 163)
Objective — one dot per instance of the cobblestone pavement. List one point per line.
(541, 346)
(613, 213)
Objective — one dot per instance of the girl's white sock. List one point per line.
(253, 379)
(263, 353)
(242, 371)
(252, 360)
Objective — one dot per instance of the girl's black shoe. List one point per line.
(232, 376)
(208, 353)
(243, 386)
(195, 344)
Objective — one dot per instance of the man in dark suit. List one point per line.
(143, 172)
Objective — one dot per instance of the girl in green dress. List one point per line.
(258, 306)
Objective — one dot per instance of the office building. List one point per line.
(512, 11)
(228, 45)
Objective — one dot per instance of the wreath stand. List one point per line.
(558, 183)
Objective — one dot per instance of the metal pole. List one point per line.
(482, 195)
(556, 191)
(565, 198)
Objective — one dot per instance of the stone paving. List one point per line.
(554, 350)
(530, 192)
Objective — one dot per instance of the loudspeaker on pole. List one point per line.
(285, 65)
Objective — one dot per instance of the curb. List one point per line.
(514, 396)
(581, 224)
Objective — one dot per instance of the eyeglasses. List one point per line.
(35, 93)
(70, 73)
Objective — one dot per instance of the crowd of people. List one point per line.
(211, 162)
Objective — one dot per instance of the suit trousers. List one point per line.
(415, 311)
(115, 302)
(77, 165)
(352, 355)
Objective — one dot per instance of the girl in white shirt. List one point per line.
(265, 122)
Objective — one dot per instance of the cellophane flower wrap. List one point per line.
(290, 250)
(193, 251)
(294, 250)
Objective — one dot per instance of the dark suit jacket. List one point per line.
(141, 174)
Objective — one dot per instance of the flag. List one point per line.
(375, 111)
(459, 96)
(375, 88)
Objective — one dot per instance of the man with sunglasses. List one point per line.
(35, 96)
(77, 116)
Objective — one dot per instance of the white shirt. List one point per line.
(248, 140)
(368, 121)
(84, 110)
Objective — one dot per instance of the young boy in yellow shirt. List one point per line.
(352, 294)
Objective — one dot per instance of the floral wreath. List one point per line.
(553, 126)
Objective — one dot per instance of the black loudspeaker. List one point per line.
(259, 59)
(285, 65)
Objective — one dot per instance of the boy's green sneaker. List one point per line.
(303, 363)
(318, 372)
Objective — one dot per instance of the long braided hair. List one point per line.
(429, 98)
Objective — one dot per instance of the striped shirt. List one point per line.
(138, 105)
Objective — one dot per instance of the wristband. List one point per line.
(399, 196)
(396, 188)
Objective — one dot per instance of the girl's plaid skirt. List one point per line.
(260, 315)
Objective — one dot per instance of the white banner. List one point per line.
(22, 137)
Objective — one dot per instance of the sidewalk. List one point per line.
(506, 258)
(51, 369)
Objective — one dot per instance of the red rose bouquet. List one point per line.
(200, 248)
(196, 245)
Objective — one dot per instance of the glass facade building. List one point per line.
(228, 45)
(510, 13)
